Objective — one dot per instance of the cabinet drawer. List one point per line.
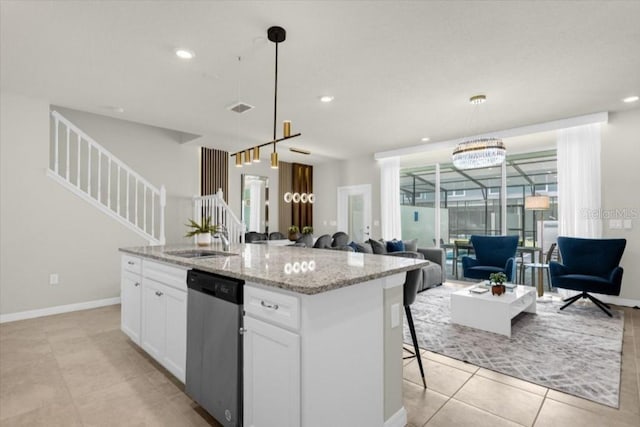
(169, 275)
(274, 307)
(132, 264)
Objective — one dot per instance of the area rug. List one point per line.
(575, 351)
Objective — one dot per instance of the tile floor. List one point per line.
(78, 369)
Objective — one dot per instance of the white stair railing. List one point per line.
(215, 207)
(90, 171)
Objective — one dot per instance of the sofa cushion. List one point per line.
(364, 248)
(431, 276)
(379, 247)
(395, 246)
(410, 245)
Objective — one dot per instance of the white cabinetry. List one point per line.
(154, 310)
(130, 294)
(271, 375)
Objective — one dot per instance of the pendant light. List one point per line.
(276, 35)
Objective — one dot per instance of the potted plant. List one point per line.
(294, 233)
(201, 231)
(307, 229)
(497, 283)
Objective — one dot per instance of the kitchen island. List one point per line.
(323, 340)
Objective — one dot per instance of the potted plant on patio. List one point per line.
(294, 233)
(497, 283)
(202, 231)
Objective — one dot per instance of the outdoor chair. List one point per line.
(588, 265)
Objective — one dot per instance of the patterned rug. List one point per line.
(575, 351)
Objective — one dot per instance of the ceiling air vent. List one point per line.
(240, 107)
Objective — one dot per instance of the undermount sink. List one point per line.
(197, 253)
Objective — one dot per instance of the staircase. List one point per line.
(90, 171)
(215, 207)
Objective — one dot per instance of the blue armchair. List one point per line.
(588, 265)
(494, 254)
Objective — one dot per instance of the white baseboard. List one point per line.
(30, 314)
(399, 419)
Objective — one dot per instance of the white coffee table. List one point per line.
(491, 313)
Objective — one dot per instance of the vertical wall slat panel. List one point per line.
(214, 172)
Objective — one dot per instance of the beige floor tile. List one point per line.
(501, 399)
(468, 367)
(26, 329)
(515, 382)
(30, 387)
(96, 371)
(16, 352)
(164, 382)
(191, 411)
(48, 416)
(459, 414)
(558, 414)
(440, 378)
(597, 409)
(420, 404)
(133, 402)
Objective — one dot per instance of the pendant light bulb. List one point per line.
(238, 160)
(247, 157)
(274, 160)
(286, 128)
(256, 154)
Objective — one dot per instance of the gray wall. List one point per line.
(621, 189)
(46, 229)
(328, 176)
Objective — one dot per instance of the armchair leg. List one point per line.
(571, 300)
(412, 329)
(601, 305)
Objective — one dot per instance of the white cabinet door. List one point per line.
(153, 318)
(130, 292)
(175, 348)
(271, 375)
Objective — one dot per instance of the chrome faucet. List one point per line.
(223, 233)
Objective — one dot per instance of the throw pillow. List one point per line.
(411, 245)
(395, 246)
(354, 246)
(379, 248)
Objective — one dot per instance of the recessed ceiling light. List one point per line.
(425, 139)
(630, 99)
(185, 54)
(326, 98)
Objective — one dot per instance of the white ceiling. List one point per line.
(398, 70)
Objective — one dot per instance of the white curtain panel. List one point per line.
(255, 210)
(390, 198)
(579, 201)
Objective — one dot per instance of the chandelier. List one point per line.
(276, 35)
(479, 152)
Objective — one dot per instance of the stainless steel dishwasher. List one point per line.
(214, 345)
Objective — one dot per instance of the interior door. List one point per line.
(354, 211)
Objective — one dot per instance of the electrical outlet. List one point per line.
(54, 279)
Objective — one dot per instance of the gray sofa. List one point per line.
(433, 274)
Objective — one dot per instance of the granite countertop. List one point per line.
(302, 270)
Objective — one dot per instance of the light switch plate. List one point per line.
(54, 279)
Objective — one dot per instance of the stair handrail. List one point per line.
(130, 174)
(235, 227)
